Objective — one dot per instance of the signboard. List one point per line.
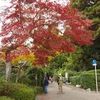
(94, 62)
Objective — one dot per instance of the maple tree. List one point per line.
(42, 20)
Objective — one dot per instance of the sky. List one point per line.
(3, 3)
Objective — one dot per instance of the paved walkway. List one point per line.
(69, 93)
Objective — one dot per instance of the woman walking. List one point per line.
(46, 82)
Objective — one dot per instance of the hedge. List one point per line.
(17, 91)
(31, 74)
(5, 98)
(86, 79)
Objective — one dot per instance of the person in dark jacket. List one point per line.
(46, 82)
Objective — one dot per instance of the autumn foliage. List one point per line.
(53, 27)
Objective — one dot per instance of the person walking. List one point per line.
(60, 83)
(46, 82)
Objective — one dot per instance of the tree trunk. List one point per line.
(18, 73)
(84, 65)
(8, 70)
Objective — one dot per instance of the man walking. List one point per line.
(60, 83)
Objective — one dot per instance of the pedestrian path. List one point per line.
(69, 93)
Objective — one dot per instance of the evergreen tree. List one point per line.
(91, 10)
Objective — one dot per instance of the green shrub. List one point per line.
(23, 94)
(2, 79)
(5, 98)
(70, 74)
(31, 74)
(26, 80)
(98, 76)
(39, 90)
(87, 80)
(17, 91)
(75, 80)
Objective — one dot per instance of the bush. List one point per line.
(74, 80)
(39, 90)
(23, 94)
(5, 98)
(70, 74)
(31, 74)
(2, 79)
(25, 80)
(87, 80)
(17, 91)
